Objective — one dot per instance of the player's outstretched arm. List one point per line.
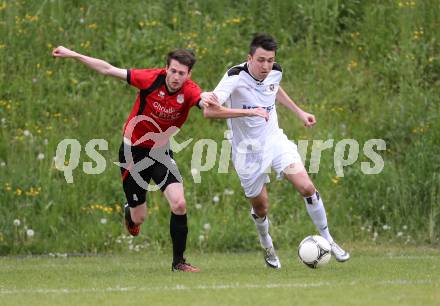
(308, 119)
(93, 63)
(221, 112)
(213, 109)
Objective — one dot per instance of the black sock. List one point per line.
(178, 232)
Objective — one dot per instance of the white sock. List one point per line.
(262, 225)
(316, 210)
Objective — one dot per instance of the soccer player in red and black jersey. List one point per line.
(162, 105)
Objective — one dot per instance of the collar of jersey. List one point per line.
(245, 68)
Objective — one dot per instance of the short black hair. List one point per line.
(183, 56)
(263, 40)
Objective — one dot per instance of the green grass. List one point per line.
(365, 69)
(374, 276)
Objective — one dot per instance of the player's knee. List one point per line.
(179, 206)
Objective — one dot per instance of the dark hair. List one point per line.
(183, 56)
(262, 40)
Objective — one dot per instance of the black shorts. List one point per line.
(139, 165)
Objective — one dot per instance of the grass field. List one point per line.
(365, 69)
(374, 276)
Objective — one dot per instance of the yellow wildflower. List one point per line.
(335, 180)
(352, 65)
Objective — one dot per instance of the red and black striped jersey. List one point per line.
(157, 113)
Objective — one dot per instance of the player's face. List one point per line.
(261, 63)
(177, 74)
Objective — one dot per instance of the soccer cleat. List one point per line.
(132, 228)
(271, 258)
(339, 253)
(183, 266)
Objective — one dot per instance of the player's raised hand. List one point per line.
(308, 119)
(260, 112)
(61, 51)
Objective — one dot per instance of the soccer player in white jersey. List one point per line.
(258, 143)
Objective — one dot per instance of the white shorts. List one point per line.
(253, 168)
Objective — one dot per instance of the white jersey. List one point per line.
(239, 90)
(257, 145)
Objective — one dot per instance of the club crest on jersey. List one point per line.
(272, 87)
(180, 98)
(161, 94)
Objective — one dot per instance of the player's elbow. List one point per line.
(109, 70)
(103, 70)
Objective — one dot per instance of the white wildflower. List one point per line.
(17, 222)
(30, 233)
(228, 191)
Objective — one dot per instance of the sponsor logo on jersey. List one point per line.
(180, 98)
(268, 108)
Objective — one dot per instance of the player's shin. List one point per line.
(178, 232)
(316, 210)
(262, 225)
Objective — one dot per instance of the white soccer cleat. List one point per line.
(339, 253)
(271, 259)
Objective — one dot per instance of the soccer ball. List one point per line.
(314, 251)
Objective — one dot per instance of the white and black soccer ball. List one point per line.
(314, 251)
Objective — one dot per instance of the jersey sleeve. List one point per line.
(142, 78)
(194, 92)
(226, 86)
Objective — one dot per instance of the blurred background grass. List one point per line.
(366, 69)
